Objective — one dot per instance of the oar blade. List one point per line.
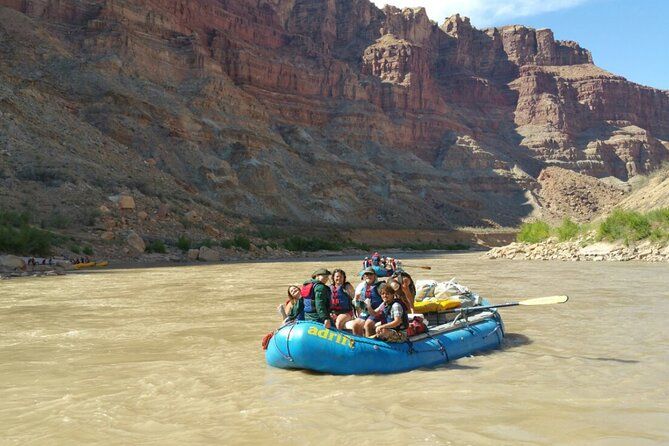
(416, 266)
(548, 300)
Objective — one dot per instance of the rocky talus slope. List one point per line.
(578, 251)
(215, 114)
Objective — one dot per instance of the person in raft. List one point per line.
(396, 316)
(367, 300)
(316, 298)
(341, 302)
(408, 286)
(399, 292)
(293, 302)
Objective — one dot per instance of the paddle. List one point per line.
(548, 300)
(415, 266)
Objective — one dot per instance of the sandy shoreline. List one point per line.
(301, 257)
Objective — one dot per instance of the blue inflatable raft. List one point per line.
(311, 346)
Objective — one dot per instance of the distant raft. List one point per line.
(91, 265)
(311, 346)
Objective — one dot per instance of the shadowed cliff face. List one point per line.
(305, 111)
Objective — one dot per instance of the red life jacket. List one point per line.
(309, 296)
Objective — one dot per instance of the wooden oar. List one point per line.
(548, 300)
(415, 266)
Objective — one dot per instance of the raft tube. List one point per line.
(311, 346)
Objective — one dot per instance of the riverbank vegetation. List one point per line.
(620, 225)
(18, 237)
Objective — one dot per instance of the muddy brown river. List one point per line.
(171, 356)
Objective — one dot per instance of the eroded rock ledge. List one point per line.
(577, 251)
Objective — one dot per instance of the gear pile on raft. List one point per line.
(386, 324)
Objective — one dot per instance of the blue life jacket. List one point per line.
(309, 296)
(340, 301)
(372, 292)
(389, 317)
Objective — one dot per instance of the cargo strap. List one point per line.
(410, 344)
(442, 349)
(492, 332)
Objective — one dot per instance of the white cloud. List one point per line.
(484, 12)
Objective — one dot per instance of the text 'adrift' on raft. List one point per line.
(331, 336)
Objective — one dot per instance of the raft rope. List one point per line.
(286, 356)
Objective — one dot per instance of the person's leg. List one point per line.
(370, 327)
(358, 327)
(340, 323)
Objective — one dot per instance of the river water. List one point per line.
(168, 356)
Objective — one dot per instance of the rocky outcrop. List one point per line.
(564, 193)
(12, 263)
(302, 112)
(575, 251)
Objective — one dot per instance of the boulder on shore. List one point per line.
(135, 242)
(11, 262)
(209, 255)
(193, 254)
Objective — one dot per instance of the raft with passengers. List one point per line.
(387, 326)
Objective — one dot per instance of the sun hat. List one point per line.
(369, 270)
(321, 272)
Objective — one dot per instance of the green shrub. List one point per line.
(87, 250)
(242, 242)
(156, 246)
(14, 219)
(58, 221)
(90, 217)
(183, 243)
(534, 232)
(297, 243)
(567, 230)
(75, 249)
(25, 241)
(207, 242)
(624, 225)
(269, 233)
(227, 244)
(659, 216)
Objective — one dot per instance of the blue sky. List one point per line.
(626, 37)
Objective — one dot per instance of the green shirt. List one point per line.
(321, 302)
(296, 309)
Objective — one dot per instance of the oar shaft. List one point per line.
(483, 307)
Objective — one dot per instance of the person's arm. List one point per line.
(407, 303)
(296, 309)
(407, 292)
(396, 322)
(322, 298)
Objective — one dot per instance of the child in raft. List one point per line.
(341, 300)
(395, 314)
(399, 292)
(289, 309)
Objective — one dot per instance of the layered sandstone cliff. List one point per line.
(304, 111)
